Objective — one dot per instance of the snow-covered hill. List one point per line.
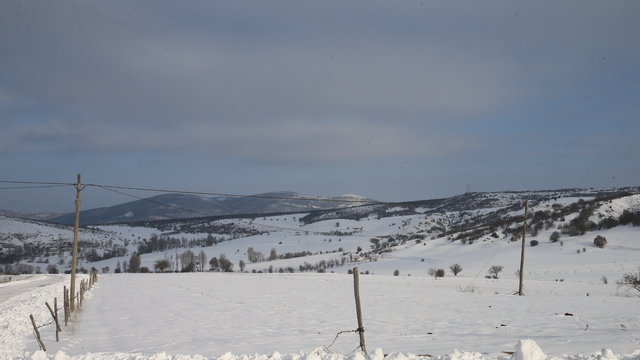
(409, 237)
(180, 206)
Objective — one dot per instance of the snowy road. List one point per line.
(22, 284)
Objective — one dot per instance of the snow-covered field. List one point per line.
(234, 316)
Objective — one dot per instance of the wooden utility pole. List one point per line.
(524, 237)
(356, 289)
(74, 257)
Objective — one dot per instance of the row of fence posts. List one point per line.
(85, 285)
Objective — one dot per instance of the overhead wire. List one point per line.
(33, 187)
(36, 183)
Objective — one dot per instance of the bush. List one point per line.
(52, 269)
(534, 242)
(600, 241)
(555, 236)
(439, 273)
(396, 272)
(144, 269)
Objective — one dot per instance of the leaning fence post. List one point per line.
(35, 328)
(55, 318)
(356, 289)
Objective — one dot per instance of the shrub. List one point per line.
(144, 269)
(555, 236)
(534, 242)
(52, 269)
(600, 241)
(439, 273)
(396, 272)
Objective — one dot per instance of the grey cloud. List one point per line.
(321, 83)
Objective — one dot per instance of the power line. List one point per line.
(32, 187)
(34, 182)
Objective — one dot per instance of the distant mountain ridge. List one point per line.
(184, 206)
(179, 206)
(31, 216)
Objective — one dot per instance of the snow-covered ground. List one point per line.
(232, 316)
(572, 308)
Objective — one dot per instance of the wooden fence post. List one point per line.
(65, 305)
(35, 328)
(55, 308)
(55, 318)
(356, 289)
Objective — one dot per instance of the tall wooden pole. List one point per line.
(74, 257)
(356, 289)
(524, 237)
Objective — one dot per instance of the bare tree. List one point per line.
(495, 270)
(631, 280)
(213, 263)
(202, 260)
(188, 260)
(134, 263)
(161, 265)
(225, 264)
(455, 269)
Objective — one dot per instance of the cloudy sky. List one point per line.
(391, 100)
